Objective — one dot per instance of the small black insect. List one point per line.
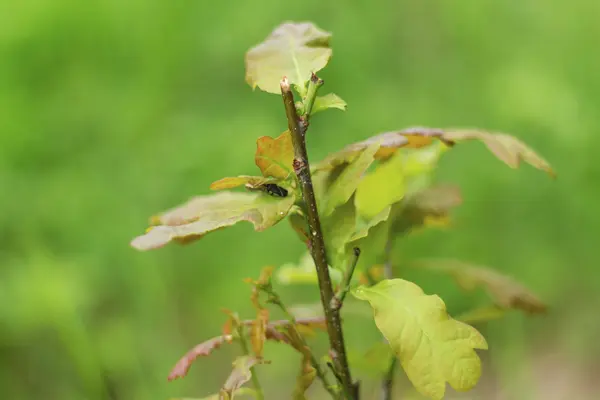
(274, 190)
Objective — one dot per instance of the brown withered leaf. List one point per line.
(204, 214)
(506, 148)
(274, 156)
(202, 350)
(241, 373)
(416, 137)
(504, 291)
(258, 332)
(292, 50)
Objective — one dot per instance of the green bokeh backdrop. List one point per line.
(111, 111)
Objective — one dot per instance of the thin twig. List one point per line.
(387, 382)
(338, 299)
(246, 349)
(297, 127)
(292, 323)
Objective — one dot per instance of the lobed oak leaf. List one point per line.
(274, 156)
(292, 50)
(432, 347)
(506, 292)
(204, 214)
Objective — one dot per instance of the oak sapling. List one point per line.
(348, 210)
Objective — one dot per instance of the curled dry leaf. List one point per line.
(506, 292)
(293, 50)
(241, 373)
(258, 332)
(432, 347)
(204, 214)
(274, 156)
(202, 350)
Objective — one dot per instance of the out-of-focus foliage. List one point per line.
(110, 111)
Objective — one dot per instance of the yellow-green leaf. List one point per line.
(235, 181)
(204, 214)
(505, 291)
(330, 100)
(292, 50)
(432, 347)
(274, 156)
(344, 185)
(380, 188)
(241, 373)
(506, 148)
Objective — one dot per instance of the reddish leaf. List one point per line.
(274, 157)
(202, 350)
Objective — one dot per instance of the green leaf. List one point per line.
(506, 292)
(506, 148)
(338, 228)
(204, 214)
(380, 188)
(372, 246)
(305, 272)
(202, 350)
(274, 157)
(342, 188)
(292, 50)
(432, 347)
(298, 222)
(240, 374)
(330, 100)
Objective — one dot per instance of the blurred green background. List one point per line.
(111, 111)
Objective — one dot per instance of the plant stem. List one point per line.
(387, 383)
(246, 349)
(338, 300)
(297, 127)
(275, 299)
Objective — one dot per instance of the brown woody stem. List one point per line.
(297, 126)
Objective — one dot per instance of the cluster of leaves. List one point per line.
(252, 335)
(368, 194)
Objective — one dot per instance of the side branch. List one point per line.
(297, 127)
